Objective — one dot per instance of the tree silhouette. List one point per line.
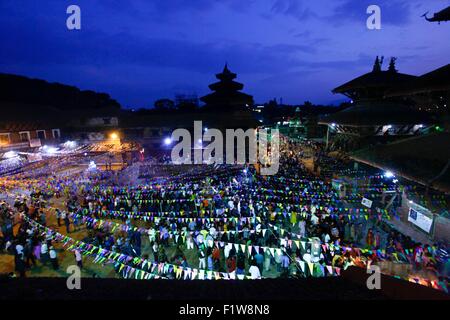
(164, 104)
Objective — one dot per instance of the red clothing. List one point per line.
(231, 264)
(216, 254)
(369, 238)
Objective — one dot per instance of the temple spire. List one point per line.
(226, 74)
(392, 64)
(377, 64)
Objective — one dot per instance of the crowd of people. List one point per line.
(230, 220)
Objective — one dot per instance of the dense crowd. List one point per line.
(230, 221)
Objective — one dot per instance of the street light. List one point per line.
(114, 136)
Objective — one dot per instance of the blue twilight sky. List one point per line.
(142, 50)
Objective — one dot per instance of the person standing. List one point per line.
(369, 238)
(155, 249)
(53, 258)
(78, 258)
(418, 257)
(359, 233)
(259, 260)
(210, 262)
(28, 252)
(240, 264)
(76, 222)
(44, 253)
(152, 235)
(201, 259)
(58, 217)
(67, 222)
(353, 233)
(42, 218)
(302, 228)
(285, 262)
(254, 271)
(19, 260)
(293, 218)
(278, 262)
(216, 257)
(231, 264)
(267, 260)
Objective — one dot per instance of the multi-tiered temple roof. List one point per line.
(374, 84)
(227, 93)
(372, 107)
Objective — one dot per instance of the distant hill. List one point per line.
(21, 90)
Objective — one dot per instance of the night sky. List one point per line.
(142, 50)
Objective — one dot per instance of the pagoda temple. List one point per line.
(374, 116)
(226, 93)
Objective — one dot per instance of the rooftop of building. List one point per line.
(377, 78)
(420, 159)
(375, 113)
(436, 80)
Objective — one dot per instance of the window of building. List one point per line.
(41, 134)
(56, 133)
(4, 138)
(24, 136)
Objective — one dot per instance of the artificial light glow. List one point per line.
(92, 166)
(52, 150)
(49, 150)
(10, 154)
(70, 144)
(388, 174)
(114, 135)
(333, 125)
(167, 141)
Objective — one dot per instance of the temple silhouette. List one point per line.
(374, 115)
(226, 93)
